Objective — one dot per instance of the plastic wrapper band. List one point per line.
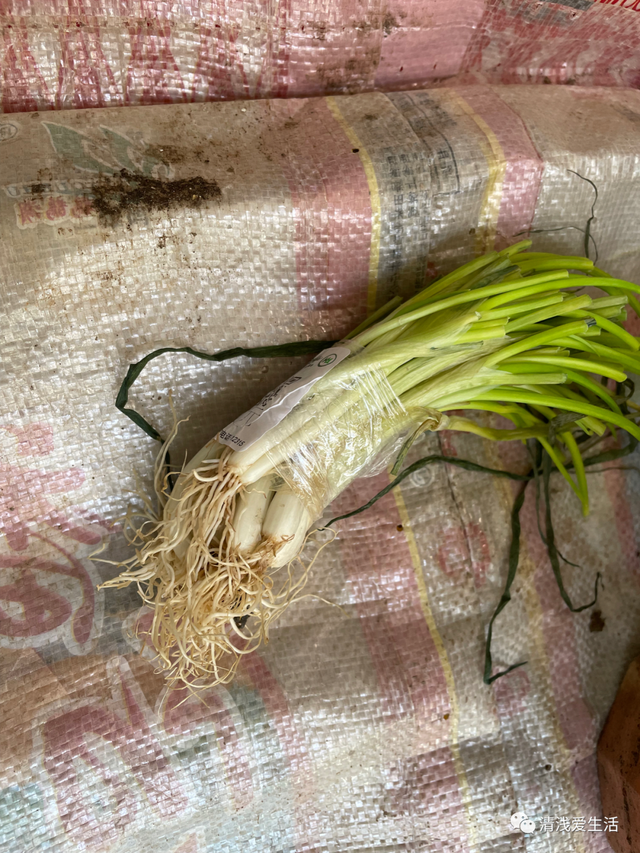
(356, 423)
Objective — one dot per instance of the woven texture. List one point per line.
(366, 728)
(72, 54)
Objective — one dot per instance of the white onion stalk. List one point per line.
(249, 517)
(506, 327)
(286, 524)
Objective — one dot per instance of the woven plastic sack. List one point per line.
(366, 727)
(64, 55)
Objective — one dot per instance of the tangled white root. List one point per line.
(211, 604)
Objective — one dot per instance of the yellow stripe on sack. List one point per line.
(374, 194)
(454, 717)
(497, 166)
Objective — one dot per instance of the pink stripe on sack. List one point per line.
(633, 322)
(575, 717)
(425, 40)
(335, 48)
(585, 778)
(385, 592)
(523, 169)
(332, 214)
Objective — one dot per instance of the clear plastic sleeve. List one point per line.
(357, 427)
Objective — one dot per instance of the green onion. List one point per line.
(505, 333)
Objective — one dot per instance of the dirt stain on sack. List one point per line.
(119, 194)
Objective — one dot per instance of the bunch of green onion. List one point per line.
(512, 333)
